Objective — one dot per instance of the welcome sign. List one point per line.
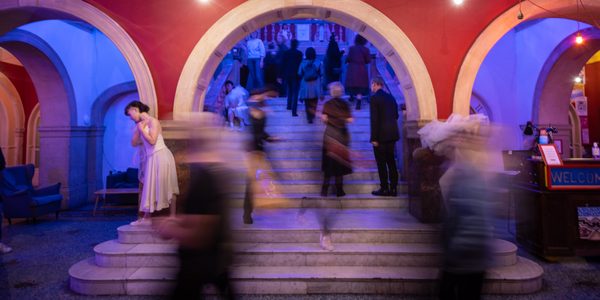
(581, 177)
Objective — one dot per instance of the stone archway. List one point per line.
(12, 121)
(22, 12)
(354, 14)
(32, 136)
(497, 29)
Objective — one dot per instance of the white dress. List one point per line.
(160, 176)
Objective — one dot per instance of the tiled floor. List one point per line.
(43, 252)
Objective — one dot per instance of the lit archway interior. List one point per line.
(355, 15)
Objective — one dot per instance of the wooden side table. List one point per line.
(104, 192)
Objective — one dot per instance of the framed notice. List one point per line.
(303, 32)
(550, 155)
(558, 144)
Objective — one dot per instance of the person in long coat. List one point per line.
(336, 140)
(357, 74)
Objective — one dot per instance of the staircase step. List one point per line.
(303, 163)
(318, 201)
(317, 174)
(86, 278)
(113, 254)
(315, 153)
(377, 225)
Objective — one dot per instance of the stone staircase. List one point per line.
(379, 247)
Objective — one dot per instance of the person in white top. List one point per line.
(159, 182)
(256, 55)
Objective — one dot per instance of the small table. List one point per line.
(104, 192)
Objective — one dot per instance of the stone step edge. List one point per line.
(86, 278)
(114, 248)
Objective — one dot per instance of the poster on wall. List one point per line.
(303, 32)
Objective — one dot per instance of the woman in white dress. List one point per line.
(159, 182)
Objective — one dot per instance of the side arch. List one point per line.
(12, 121)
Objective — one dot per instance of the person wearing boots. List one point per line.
(384, 135)
(336, 140)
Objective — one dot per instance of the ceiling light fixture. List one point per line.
(458, 2)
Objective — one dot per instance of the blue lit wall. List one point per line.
(508, 76)
(93, 62)
(118, 152)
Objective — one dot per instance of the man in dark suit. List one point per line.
(384, 135)
(289, 70)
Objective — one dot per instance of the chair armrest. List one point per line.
(47, 190)
(16, 193)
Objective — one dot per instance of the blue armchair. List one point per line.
(21, 200)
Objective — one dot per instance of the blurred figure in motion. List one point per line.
(336, 140)
(466, 230)
(202, 229)
(336, 155)
(3, 248)
(257, 164)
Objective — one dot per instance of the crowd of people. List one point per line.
(301, 77)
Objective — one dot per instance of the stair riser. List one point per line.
(303, 236)
(313, 175)
(314, 153)
(332, 202)
(313, 128)
(313, 144)
(316, 188)
(301, 287)
(294, 259)
(316, 163)
(341, 236)
(362, 137)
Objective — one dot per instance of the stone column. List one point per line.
(65, 157)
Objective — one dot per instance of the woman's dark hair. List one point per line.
(310, 53)
(137, 104)
(360, 40)
(333, 50)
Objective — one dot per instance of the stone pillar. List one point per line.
(422, 171)
(65, 157)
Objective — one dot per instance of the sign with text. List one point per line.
(550, 155)
(583, 177)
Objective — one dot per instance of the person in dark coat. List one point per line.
(333, 61)
(336, 140)
(292, 58)
(2, 161)
(357, 74)
(384, 135)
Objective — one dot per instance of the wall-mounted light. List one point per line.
(579, 38)
(203, 1)
(578, 79)
(458, 2)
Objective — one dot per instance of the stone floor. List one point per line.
(44, 251)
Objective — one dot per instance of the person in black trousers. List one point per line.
(292, 58)
(384, 135)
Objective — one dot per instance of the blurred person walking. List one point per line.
(3, 247)
(292, 58)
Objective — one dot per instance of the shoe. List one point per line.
(393, 192)
(141, 222)
(380, 192)
(248, 219)
(325, 242)
(4, 249)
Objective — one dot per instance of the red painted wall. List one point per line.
(166, 32)
(22, 82)
(592, 92)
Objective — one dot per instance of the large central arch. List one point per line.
(354, 14)
(499, 27)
